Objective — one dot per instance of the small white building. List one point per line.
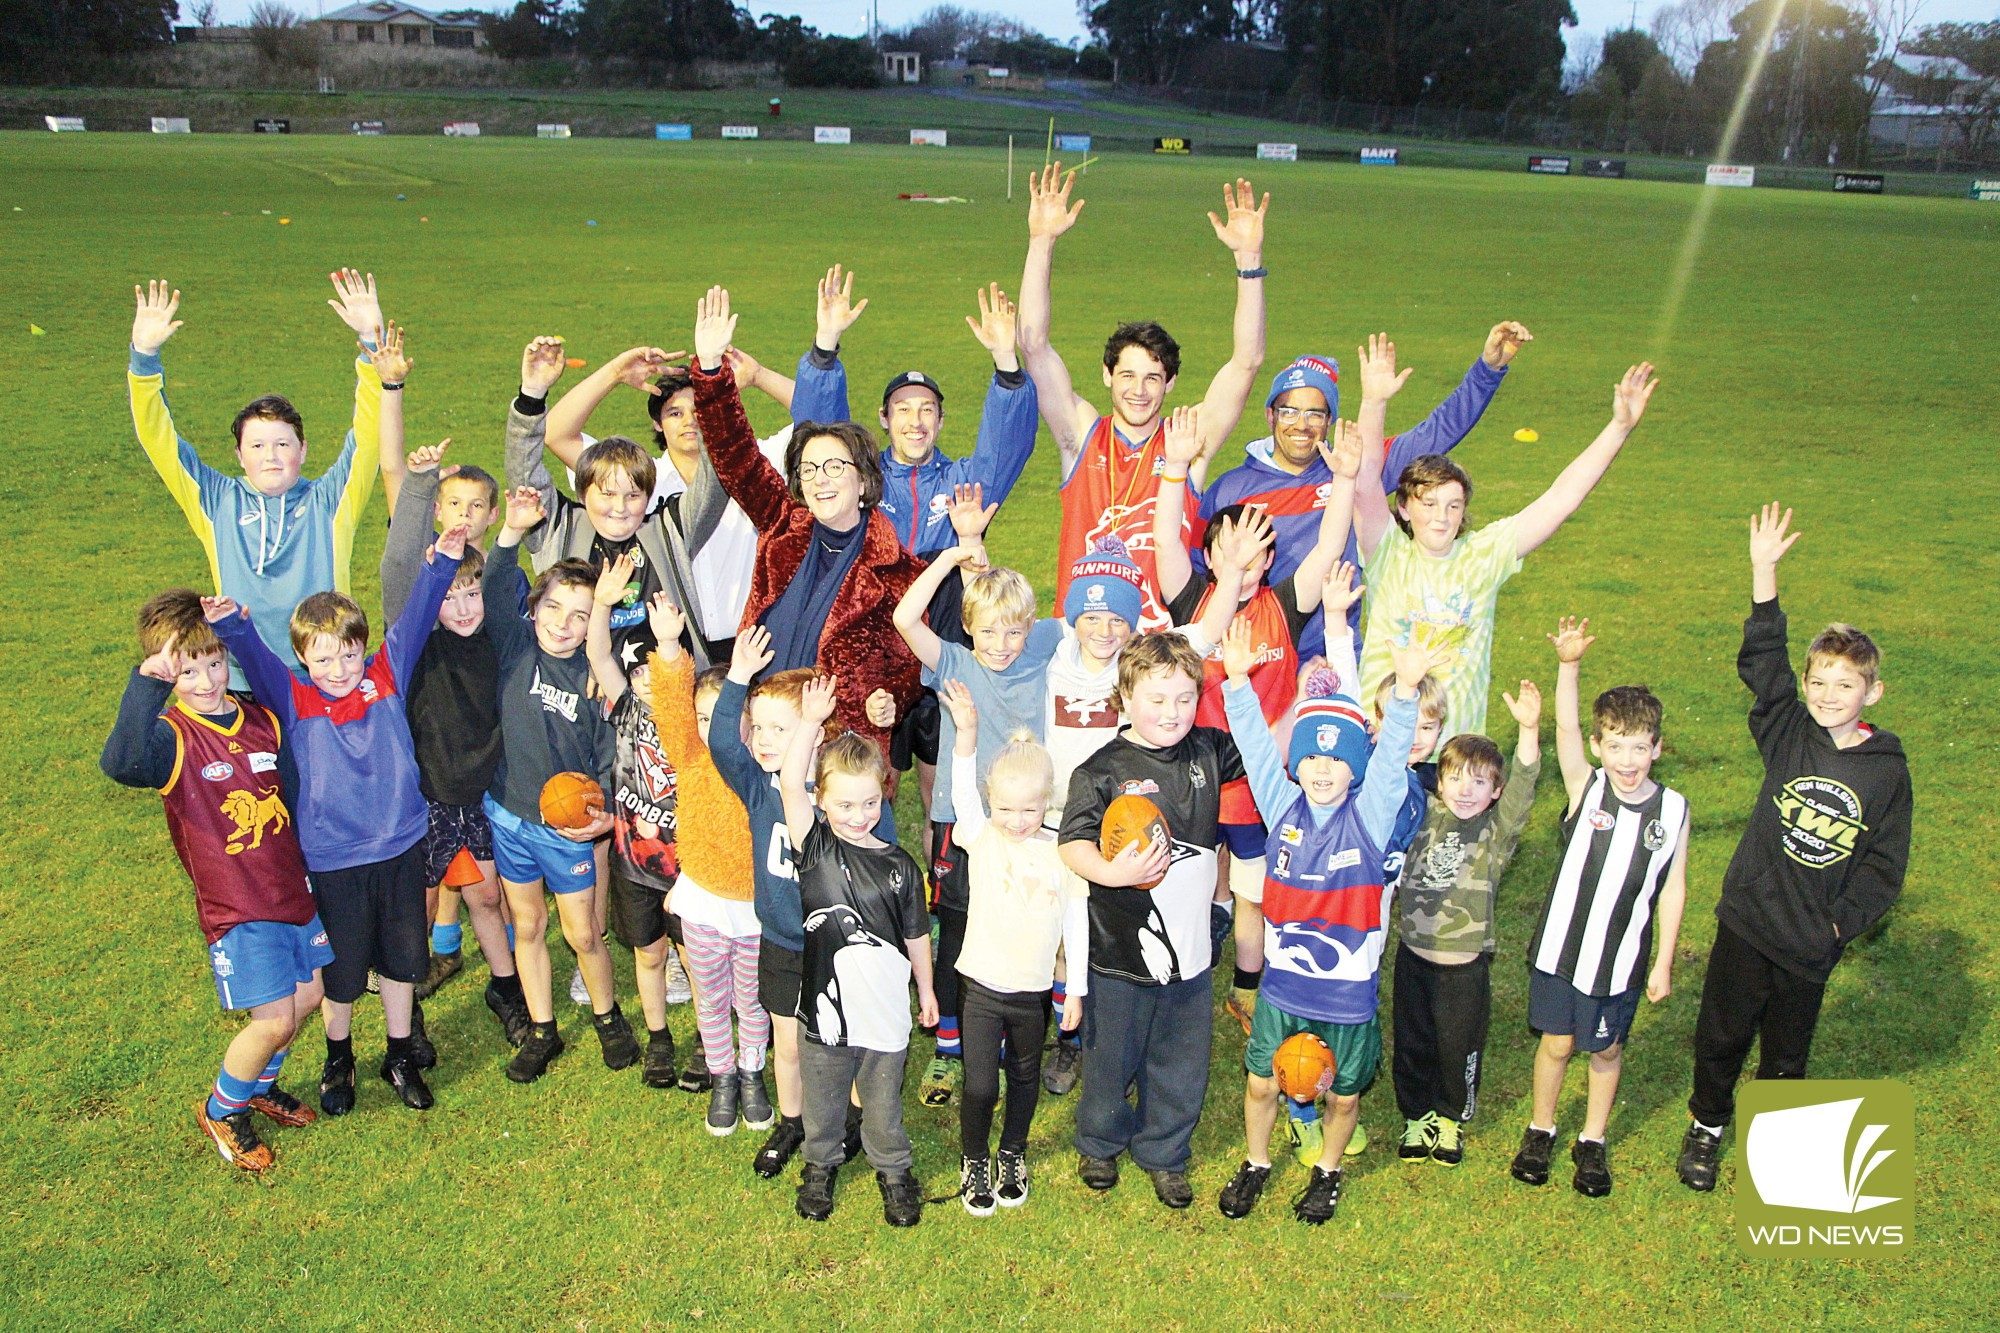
(903, 66)
(389, 23)
(1918, 94)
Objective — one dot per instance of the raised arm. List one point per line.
(410, 521)
(527, 422)
(141, 749)
(1547, 512)
(1342, 454)
(405, 636)
(612, 585)
(353, 473)
(1238, 547)
(1571, 639)
(392, 368)
(1453, 419)
(501, 584)
(567, 416)
(189, 480)
(752, 653)
(751, 373)
(726, 436)
(671, 684)
(909, 612)
(967, 810)
(1273, 791)
(270, 680)
(1380, 381)
(815, 707)
(1050, 214)
(1763, 662)
(1242, 230)
(1172, 565)
(1387, 787)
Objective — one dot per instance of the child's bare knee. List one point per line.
(1344, 1106)
(1608, 1060)
(1558, 1047)
(1262, 1088)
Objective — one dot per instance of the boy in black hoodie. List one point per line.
(1821, 861)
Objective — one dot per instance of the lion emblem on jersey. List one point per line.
(253, 812)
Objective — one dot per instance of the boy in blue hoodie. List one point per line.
(1325, 905)
(271, 538)
(361, 816)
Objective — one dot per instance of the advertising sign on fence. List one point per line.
(461, 129)
(1549, 166)
(1176, 147)
(1986, 192)
(928, 138)
(552, 132)
(170, 125)
(1278, 152)
(739, 131)
(1605, 168)
(64, 124)
(1856, 182)
(272, 125)
(370, 127)
(832, 134)
(1072, 143)
(1378, 157)
(673, 131)
(1738, 177)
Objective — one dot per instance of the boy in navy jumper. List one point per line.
(361, 814)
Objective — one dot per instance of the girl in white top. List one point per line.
(1022, 904)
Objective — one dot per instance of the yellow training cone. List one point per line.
(1526, 435)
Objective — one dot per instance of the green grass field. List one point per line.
(1832, 352)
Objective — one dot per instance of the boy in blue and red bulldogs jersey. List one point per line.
(1324, 904)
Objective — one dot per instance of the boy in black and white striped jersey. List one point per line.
(1624, 863)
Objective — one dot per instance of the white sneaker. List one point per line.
(678, 989)
(578, 992)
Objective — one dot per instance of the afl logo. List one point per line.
(219, 771)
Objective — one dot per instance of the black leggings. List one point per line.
(1442, 1011)
(1022, 1017)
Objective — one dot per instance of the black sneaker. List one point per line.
(815, 1201)
(754, 1100)
(614, 1037)
(778, 1149)
(421, 1050)
(850, 1146)
(513, 1014)
(336, 1085)
(902, 1199)
(1013, 1190)
(1172, 1188)
(401, 1073)
(1593, 1169)
(695, 1078)
(1318, 1199)
(444, 966)
(543, 1044)
(1531, 1164)
(1240, 1195)
(1701, 1154)
(1060, 1073)
(1100, 1173)
(975, 1185)
(658, 1071)
(722, 1116)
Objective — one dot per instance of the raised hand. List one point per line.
(354, 300)
(1502, 341)
(1771, 535)
(1635, 390)
(391, 365)
(153, 319)
(714, 327)
(428, 457)
(524, 509)
(1572, 638)
(1049, 211)
(1341, 451)
(1239, 649)
(1379, 380)
(1255, 537)
(836, 312)
(1418, 658)
(217, 609)
(1243, 231)
(969, 515)
(542, 364)
(995, 326)
(638, 365)
(614, 583)
(816, 701)
(1527, 707)
(880, 709)
(751, 654)
(165, 665)
(954, 695)
(743, 367)
(451, 542)
(1183, 442)
(1341, 591)
(666, 620)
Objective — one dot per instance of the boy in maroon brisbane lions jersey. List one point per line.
(215, 764)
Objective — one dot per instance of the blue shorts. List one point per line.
(257, 962)
(1246, 841)
(1557, 1008)
(524, 853)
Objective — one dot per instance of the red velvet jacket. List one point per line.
(860, 643)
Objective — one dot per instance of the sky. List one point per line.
(1059, 18)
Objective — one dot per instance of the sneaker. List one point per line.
(1100, 1173)
(1593, 1168)
(1701, 1152)
(1013, 1191)
(850, 1146)
(1240, 1195)
(1172, 1188)
(1450, 1147)
(336, 1085)
(1308, 1138)
(1318, 1199)
(578, 992)
(1060, 1073)
(444, 966)
(815, 1199)
(542, 1044)
(658, 1070)
(421, 1050)
(939, 1079)
(1242, 1006)
(1357, 1142)
(615, 1039)
(778, 1150)
(235, 1138)
(678, 989)
(902, 1199)
(758, 1113)
(975, 1185)
(513, 1014)
(402, 1073)
(722, 1117)
(695, 1078)
(1531, 1164)
(274, 1103)
(1419, 1137)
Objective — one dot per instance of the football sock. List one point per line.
(447, 939)
(947, 1037)
(270, 1074)
(1583, 1138)
(853, 1118)
(399, 1047)
(1221, 922)
(340, 1046)
(1713, 1131)
(509, 986)
(797, 1122)
(1303, 1112)
(1248, 980)
(230, 1094)
(510, 937)
(1550, 1130)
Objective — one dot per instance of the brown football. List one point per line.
(1129, 819)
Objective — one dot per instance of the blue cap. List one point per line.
(1309, 372)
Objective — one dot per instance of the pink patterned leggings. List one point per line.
(725, 978)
